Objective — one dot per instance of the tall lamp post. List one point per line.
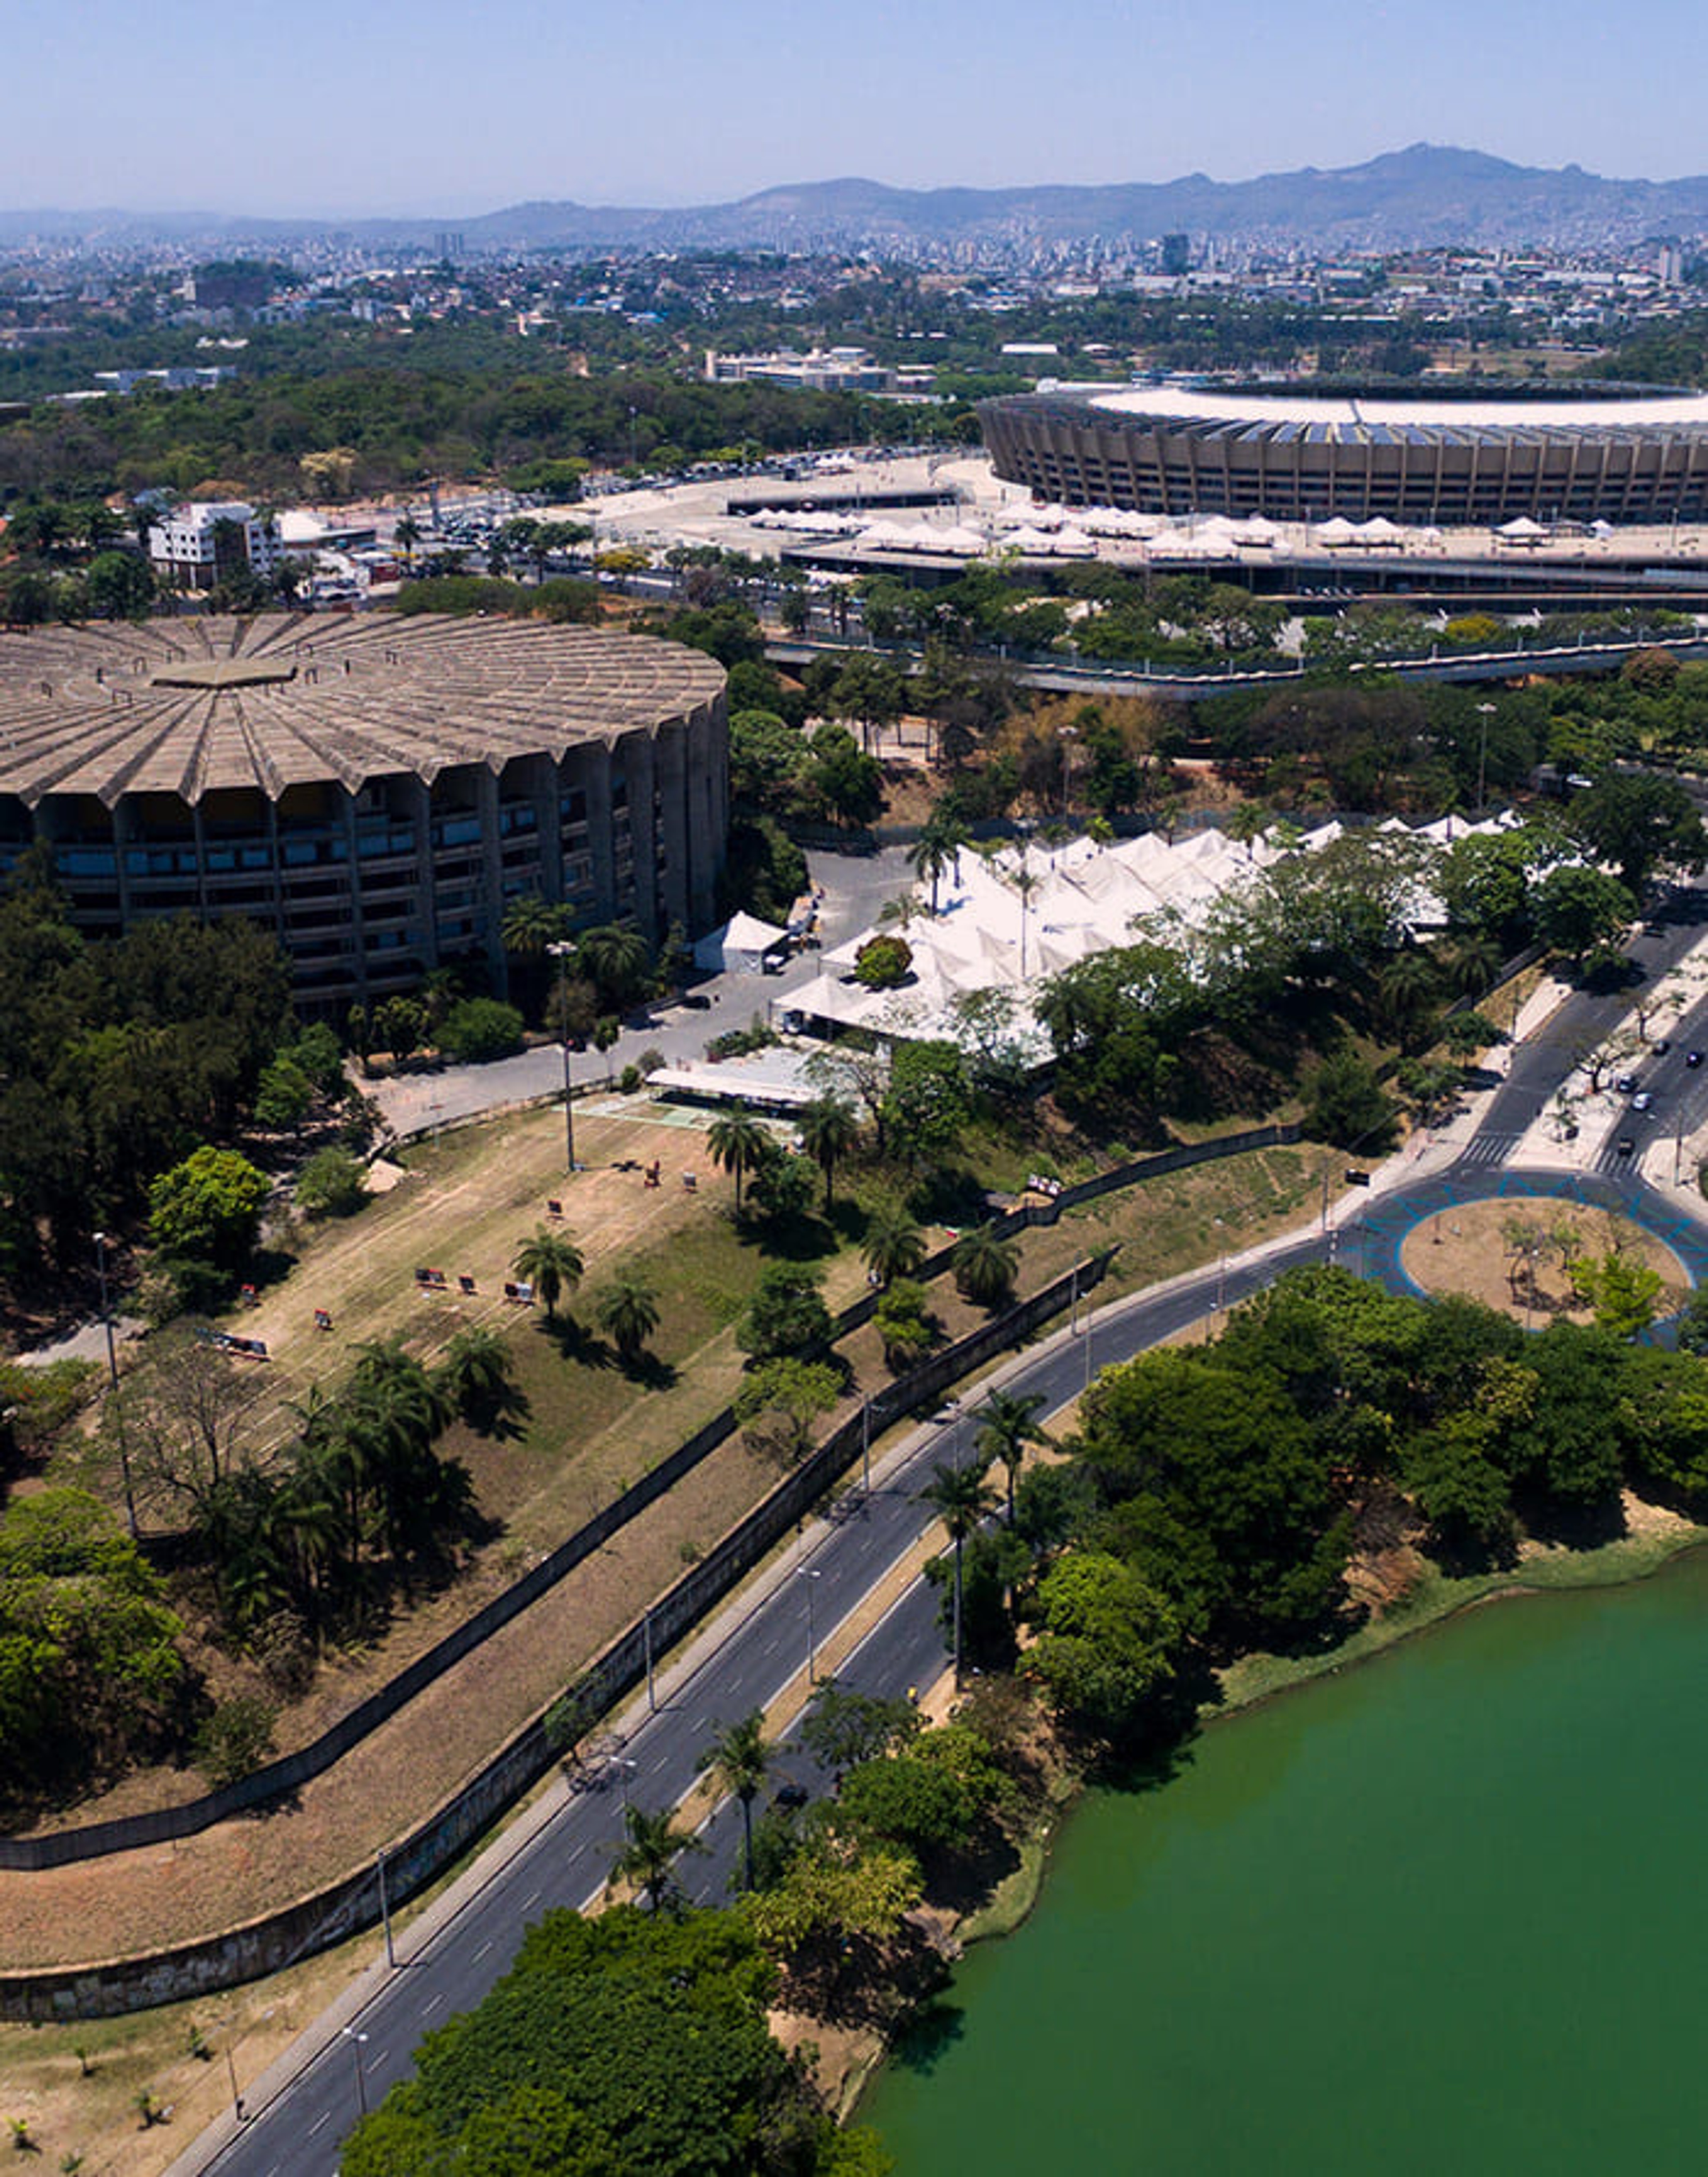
(1070, 735)
(1485, 712)
(112, 1371)
(810, 1575)
(563, 952)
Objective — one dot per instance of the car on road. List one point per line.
(1660, 1045)
(1693, 1058)
(1643, 1100)
(791, 1797)
(1626, 1084)
(1625, 1145)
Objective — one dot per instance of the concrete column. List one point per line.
(638, 762)
(591, 768)
(491, 878)
(670, 754)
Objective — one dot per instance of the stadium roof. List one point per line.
(1635, 410)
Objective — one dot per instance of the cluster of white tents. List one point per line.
(1008, 920)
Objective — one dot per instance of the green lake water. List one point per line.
(1446, 1913)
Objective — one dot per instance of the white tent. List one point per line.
(1336, 530)
(1523, 531)
(741, 943)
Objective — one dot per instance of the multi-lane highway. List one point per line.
(298, 2116)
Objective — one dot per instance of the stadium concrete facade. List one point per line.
(1618, 457)
(375, 791)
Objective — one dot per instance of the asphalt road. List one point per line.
(565, 1861)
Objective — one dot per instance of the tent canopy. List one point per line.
(741, 942)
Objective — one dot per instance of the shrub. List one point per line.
(236, 1739)
(333, 1183)
(883, 963)
(630, 1079)
(477, 1029)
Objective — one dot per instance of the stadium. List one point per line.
(1472, 458)
(375, 791)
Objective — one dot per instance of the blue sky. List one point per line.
(443, 109)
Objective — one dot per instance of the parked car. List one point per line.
(1626, 1084)
(1642, 1100)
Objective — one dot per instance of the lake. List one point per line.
(1443, 1911)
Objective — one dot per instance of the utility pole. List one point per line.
(562, 953)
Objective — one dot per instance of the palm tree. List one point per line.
(894, 1246)
(407, 536)
(1408, 988)
(1472, 964)
(627, 1312)
(984, 1265)
(652, 1845)
(1010, 1424)
(961, 1498)
(739, 1759)
(737, 1142)
(937, 848)
(616, 957)
(474, 1376)
(828, 1130)
(550, 1262)
(530, 923)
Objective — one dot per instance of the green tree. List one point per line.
(883, 962)
(893, 1247)
(1009, 1422)
(474, 1379)
(552, 1264)
(738, 1144)
(779, 1403)
(652, 1845)
(739, 1759)
(984, 1265)
(331, 1183)
(961, 1498)
(476, 1030)
(627, 1311)
(207, 1208)
(1576, 909)
(1106, 1643)
(786, 1315)
(828, 1130)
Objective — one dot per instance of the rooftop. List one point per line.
(192, 706)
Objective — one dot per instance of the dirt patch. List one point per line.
(1515, 1256)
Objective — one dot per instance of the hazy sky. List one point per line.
(443, 109)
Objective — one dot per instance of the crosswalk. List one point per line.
(1489, 1149)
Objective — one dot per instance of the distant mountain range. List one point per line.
(1426, 195)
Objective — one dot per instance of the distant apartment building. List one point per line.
(195, 545)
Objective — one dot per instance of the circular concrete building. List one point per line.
(375, 791)
(1472, 458)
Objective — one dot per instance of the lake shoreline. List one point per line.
(1660, 1539)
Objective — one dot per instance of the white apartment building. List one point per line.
(193, 545)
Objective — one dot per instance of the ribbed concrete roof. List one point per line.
(189, 707)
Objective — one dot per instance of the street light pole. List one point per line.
(560, 953)
(646, 1637)
(866, 1445)
(808, 1573)
(112, 1371)
(1485, 712)
(355, 2041)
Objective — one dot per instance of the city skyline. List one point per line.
(337, 114)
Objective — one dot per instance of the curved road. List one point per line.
(299, 2112)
